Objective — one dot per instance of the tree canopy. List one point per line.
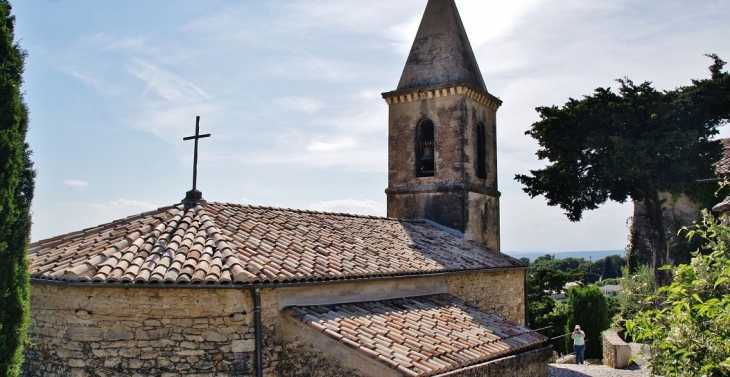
(16, 193)
(632, 143)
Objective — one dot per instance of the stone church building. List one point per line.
(217, 289)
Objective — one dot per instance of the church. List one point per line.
(203, 288)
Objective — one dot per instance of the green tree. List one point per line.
(589, 309)
(636, 293)
(690, 331)
(630, 144)
(16, 193)
(608, 267)
(547, 276)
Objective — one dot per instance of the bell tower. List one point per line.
(442, 149)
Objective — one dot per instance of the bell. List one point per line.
(427, 151)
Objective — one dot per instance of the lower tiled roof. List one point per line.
(224, 244)
(420, 336)
(722, 167)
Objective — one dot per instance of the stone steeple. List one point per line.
(441, 52)
(442, 148)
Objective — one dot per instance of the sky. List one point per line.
(290, 91)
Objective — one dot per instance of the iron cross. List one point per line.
(196, 137)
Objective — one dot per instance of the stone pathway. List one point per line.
(572, 370)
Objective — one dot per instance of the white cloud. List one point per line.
(127, 44)
(369, 93)
(120, 206)
(486, 20)
(361, 207)
(75, 183)
(163, 83)
(403, 34)
(171, 122)
(309, 67)
(89, 214)
(91, 78)
(303, 104)
(329, 146)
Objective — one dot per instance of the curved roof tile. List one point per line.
(420, 336)
(221, 243)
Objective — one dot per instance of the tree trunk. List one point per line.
(657, 236)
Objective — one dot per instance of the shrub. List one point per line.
(589, 309)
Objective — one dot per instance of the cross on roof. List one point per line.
(194, 195)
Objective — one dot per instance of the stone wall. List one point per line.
(318, 363)
(527, 364)
(324, 356)
(121, 332)
(678, 211)
(616, 353)
(501, 292)
(85, 331)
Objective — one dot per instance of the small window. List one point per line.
(481, 163)
(425, 149)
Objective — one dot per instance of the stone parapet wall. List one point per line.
(117, 331)
(526, 364)
(616, 353)
(79, 331)
(319, 364)
(501, 292)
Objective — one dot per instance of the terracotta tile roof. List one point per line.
(420, 336)
(722, 167)
(234, 244)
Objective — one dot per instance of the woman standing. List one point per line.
(579, 344)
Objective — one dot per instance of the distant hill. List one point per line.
(592, 255)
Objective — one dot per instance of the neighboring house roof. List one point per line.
(571, 284)
(722, 167)
(441, 52)
(224, 244)
(611, 288)
(420, 336)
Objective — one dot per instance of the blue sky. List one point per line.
(290, 91)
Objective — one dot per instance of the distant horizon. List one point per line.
(591, 255)
(563, 252)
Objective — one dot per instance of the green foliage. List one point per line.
(636, 293)
(592, 278)
(589, 309)
(548, 275)
(16, 193)
(610, 281)
(630, 144)
(690, 330)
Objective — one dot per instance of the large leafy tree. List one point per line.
(16, 193)
(632, 143)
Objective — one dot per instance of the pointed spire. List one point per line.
(441, 52)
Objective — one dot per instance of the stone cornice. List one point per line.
(443, 90)
(442, 187)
